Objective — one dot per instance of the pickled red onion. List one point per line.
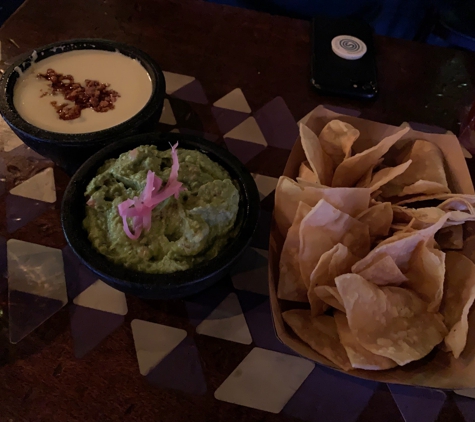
(139, 209)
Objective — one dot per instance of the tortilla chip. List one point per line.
(426, 275)
(398, 228)
(351, 170)
(291, 285)
(332, 263)
(287, 197)
(450, 237)
(426, 174)
(359, 357)
(424, 187)
(457, 204)
(306, 184)
(319, 161)
(386, 175)
(400, 247)
(330, 296)
(306, 173)
(337, 138)
(366, 179)
(458, 299)
(425, 217)
(378, 218)
(428, 164)
(383, 272)
(441, 197)
(320, 334)
(288, 194)
(404, 231)
(389, 321)
(324, 227)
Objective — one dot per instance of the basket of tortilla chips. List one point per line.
(370, 267)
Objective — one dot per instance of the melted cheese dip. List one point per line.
(125, 75)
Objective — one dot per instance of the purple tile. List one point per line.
(421, 127)
(208, 136)
(243, 150)
(262, 234)
(78, 276)
(250, 260)
(201, 305)
(327, 395)
(228, 119)
(27, 311)
(466, 406)
(343, 110)
(417, 404)
(277, 124)
(20, 211)
(256, 309)
(192, 92)
(90, 326)
(180, 370)
(250, 273)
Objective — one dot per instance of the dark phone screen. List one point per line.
(332, 74)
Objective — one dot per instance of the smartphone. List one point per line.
(334, 75)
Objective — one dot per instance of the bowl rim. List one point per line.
(24, 61)
(131, 279)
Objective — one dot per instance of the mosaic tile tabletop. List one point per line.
(40, 277)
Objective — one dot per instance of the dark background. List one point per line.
(408, 19)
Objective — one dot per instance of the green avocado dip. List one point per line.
(184, 232)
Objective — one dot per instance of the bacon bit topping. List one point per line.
(139, 209)
(94, 95)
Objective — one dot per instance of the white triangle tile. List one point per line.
(227, 322)
(248, 131)
(8, 139)
(153, 342)
(11, 143)
(175, 131)
(265, 380)
(265, 184)
(40, 187)
(102, 297)
(251, 273)
(36, 269)
(466, 392)
(175, 81)
(167, 116)
(235, 100)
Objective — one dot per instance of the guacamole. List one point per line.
(185, 230)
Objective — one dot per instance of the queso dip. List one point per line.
(32, 96)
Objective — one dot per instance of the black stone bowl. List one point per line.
(159, 286)
(69, 151)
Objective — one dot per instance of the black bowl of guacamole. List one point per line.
(153, 266)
